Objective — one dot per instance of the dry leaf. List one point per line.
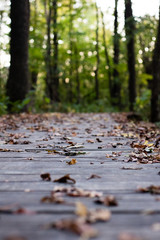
(72, 162)
(151, 189)
(107, 201)
(93, 176)
(65, 179)
(128, 236)
(23, 211)
(90, 141)
(52, 199)
(46, 176)
(77, 192)
(93, 216)
(15, 238)
(81, 209)
(131, 168)
(77, 226)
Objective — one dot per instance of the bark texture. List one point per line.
(18, 80)
(116, 81)
(130, 38)
(155, 100)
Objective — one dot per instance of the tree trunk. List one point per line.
(116, 81)
(48, 14)
(55, 75)
(97, 56)
(130, 38)
(77, 72)
(70, 97)
(155, 100)
(18, 80)
(107, 56)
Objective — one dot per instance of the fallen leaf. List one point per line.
(77, 226)
(128, 236)
(77, 192)
(52, 199)
(46, 176)
(151, 189)
(90, 141)
(93, 176)
(93, 216)
(81, 209)
(72, 162)
(131, 168)
(15, 238)
(65, 179)
(98, 140)
(23, 211)
(107, 201)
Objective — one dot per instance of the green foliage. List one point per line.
(142, 105)
(80, 64)
(3, 105)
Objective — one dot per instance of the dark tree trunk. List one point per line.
(97, 56)
(130, 38)
(34, 72)
(107, 56)
(77, 72)
(48, 14)
(155, 100)
(34, 76)
(18, 80)
(70, 92)
(116, 81)
(55, 75)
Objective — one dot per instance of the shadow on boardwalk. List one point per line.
(110, 165)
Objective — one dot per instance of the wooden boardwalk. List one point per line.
(35, 144)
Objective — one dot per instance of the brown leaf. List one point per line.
(81, 209)
(128, 236)
(52, 199)
(98, 140)
(15, 238)
(131, 168)
(93, 176)
(65, 179)
(77, 192)
(77, 226)
(107, 201)
(46, 177)
(72, 162)
(23, 211)
(90, 141)
(151, 189)
(97, 215)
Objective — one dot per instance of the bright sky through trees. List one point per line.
(140, 7)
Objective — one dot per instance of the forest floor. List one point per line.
(79, 176)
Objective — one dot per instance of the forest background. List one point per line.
(78, 61)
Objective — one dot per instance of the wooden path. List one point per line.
(33, 145)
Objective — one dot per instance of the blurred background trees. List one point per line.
(77, 61)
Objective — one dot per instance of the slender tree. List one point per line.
(55, 75)
(116, 81)
(34, 70)
(155, 100)
(107, 55)
(130, 38)
(70, 93)
(97, 55)
(48, 15)
(17, 84)
(77, 71)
